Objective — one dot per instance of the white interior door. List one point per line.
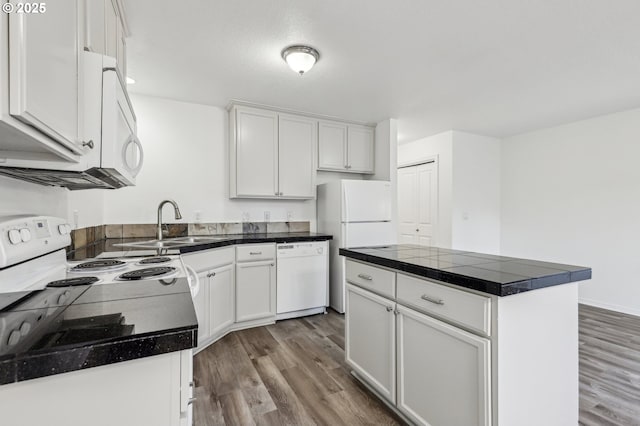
(418, 204)
(407, 205)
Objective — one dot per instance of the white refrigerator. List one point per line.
(357, 213)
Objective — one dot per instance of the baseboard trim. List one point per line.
(610, 306)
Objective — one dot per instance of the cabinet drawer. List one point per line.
(209, 259)
(375, 279)
(464, 308)
(253, 252)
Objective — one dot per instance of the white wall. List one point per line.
(476, 193)
(572, 194)
(18, 197)
(186, 159)
(468, 188)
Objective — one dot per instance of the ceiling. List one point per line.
(492, 67)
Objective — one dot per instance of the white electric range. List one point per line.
(32, 257)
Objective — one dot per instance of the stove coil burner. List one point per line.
(99, 264)
(142, 274)
(154, 260)
(71, 282)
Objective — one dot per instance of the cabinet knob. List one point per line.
(417, 230)
(89, 144)
(191, 401)
(389, 308)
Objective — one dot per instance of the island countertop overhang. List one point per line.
(487, 273)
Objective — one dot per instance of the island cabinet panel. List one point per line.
(370, 336)
(377, 280)
(469, 310)
(443, 372)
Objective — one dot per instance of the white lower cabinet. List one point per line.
(443, 372)
(151, 391)
(201, 305)
(221, 299)
(433, 372)
(370, 334)
(255, 290)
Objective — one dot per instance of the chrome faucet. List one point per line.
(176, 211)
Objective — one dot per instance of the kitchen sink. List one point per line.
(170, 242)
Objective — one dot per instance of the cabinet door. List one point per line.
(94, 26)
(332, 146)
(201, 305)
(370, 339)
(111, 29)
(360, 149)
(121, 50)
(221, 299)
(296, 148)
(256, 152)
(255, 290)
(44, 79)
(443, 372)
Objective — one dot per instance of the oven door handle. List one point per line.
(194, 280)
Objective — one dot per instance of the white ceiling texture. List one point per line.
(492, 67)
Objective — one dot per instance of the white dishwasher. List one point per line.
(302, 279)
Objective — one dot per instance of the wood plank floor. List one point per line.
(609, 368)
(293, 373)
(289, 373)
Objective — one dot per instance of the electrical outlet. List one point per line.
(289, 216)
(267, 216)
(198, 214)
(76, 219)
(245, 216)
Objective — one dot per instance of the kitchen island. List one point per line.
(447, 337)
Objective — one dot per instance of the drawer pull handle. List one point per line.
(432, 300)
(365, 277)
(255, 253)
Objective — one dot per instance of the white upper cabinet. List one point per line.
(345, 147)
(360, 149)
(104, 32)
(332, 146)
(272, 154)
(296, 147)
(255, 151)
(44, 72)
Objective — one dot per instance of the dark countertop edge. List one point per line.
(235, 239)
(492, 288)
(253, 240)
(20, 368)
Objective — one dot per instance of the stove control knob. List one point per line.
(25, 234)
(62, 229)
(14, 338)
(14, 236)
(25, 328)
(61, 299)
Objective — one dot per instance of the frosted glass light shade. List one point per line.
(300, 58)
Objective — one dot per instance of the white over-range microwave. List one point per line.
(109, 128)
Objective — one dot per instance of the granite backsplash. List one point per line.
(87, 236)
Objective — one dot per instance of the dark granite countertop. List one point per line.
(73, 328)
(492, 274)
(111, 247)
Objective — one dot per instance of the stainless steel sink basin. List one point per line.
(170, 242)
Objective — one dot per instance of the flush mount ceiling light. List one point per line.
(300, 58)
